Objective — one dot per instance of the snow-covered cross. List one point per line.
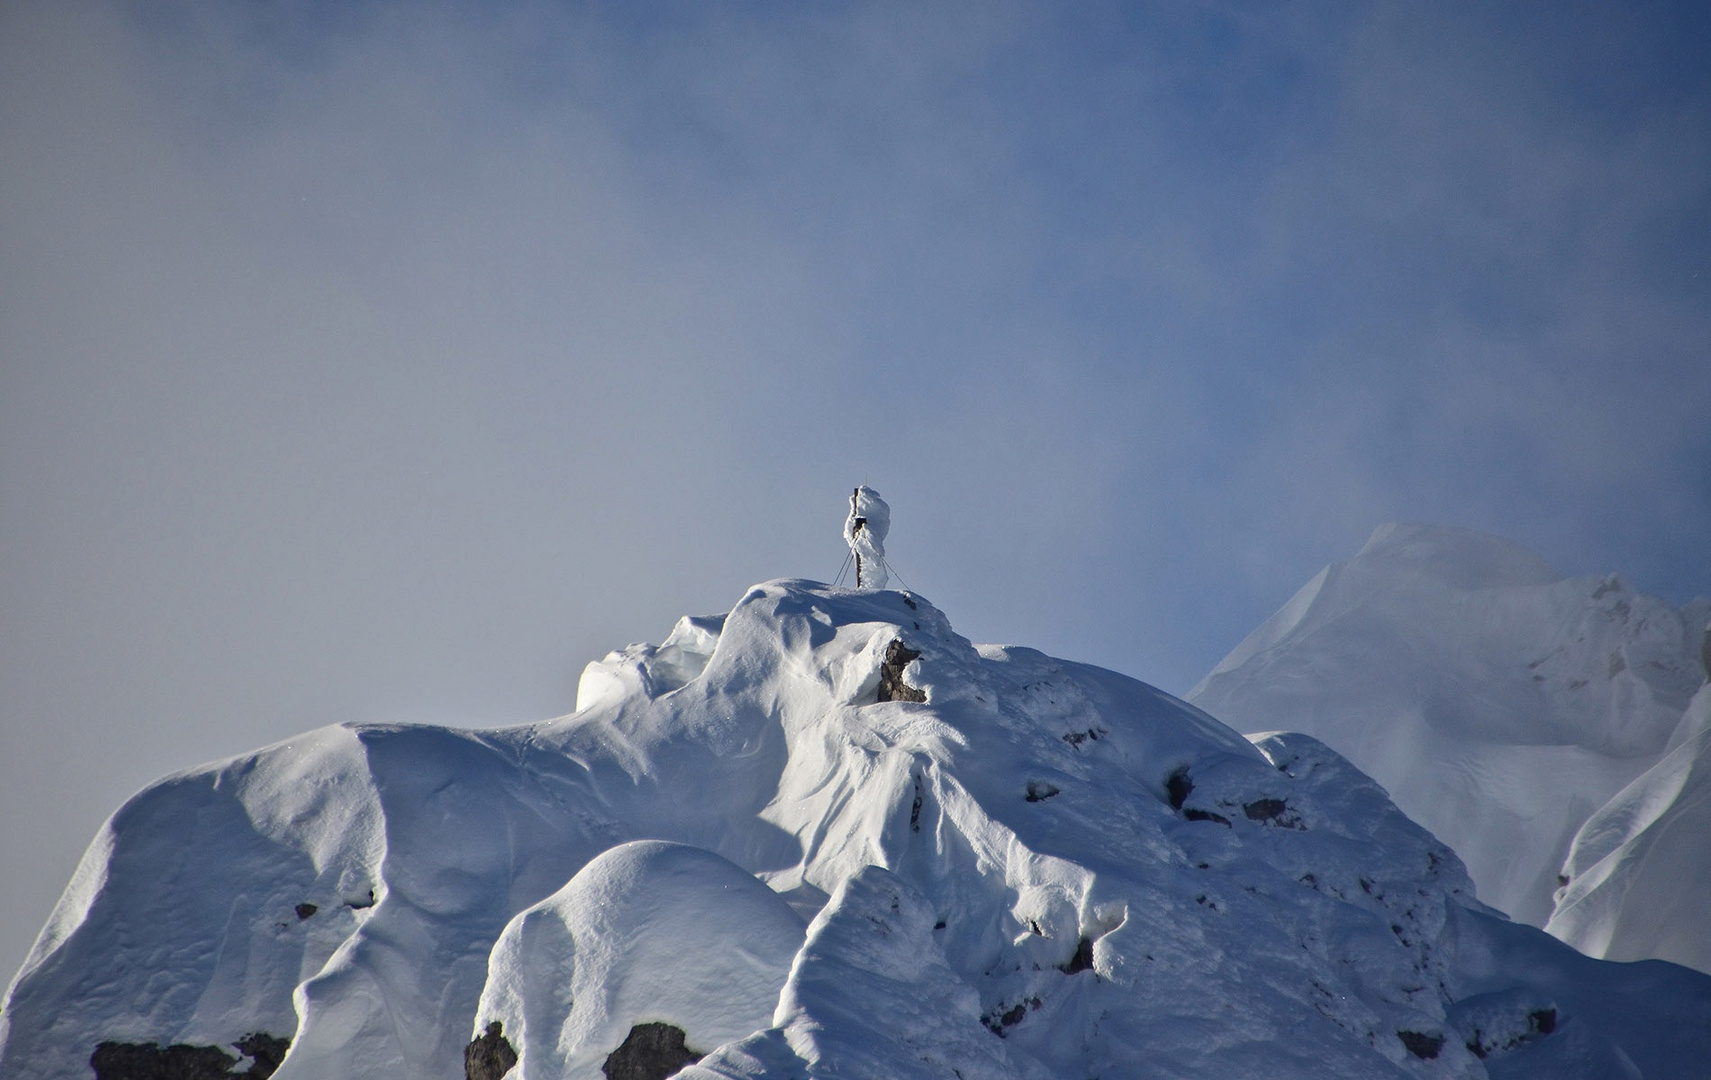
(864, 532)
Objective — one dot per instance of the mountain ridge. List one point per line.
(1113, 878)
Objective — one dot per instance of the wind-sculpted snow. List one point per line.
(1019, 868)
(1640, 869)
(648, 931)
(871, 997)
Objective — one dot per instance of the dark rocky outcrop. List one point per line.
(1273, 812)
(1001, 1019)
(181, 1061)
(651, 1051)
(1083, 958)
(1421, 1044)
(891, 684)
(265, 1051)
(149, 1061)
(1178, 787)
(1265, 809)
(489, 1056)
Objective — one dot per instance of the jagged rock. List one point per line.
(182, 1061)
(1421, 1044)
(891, 684)
(650, 1052)
(489, 1056)
(150, 1061)
(265, 1051)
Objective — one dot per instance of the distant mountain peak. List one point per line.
(1457, 557)
(1500, 703)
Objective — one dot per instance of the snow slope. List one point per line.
(1499, 703)
(1640, 868)
(647, 928)
(1012, 866)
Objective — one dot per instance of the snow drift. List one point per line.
(1012, 866)
(646, 930)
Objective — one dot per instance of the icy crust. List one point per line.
(1499, 703)
(1015, 866)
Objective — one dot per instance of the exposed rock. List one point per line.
(148, 1061)
(999, 1020)
(1272, 812)
(1178, 787)
(891, 684)
(489, 1056)
(265, 1051)
(1420, 1044)
(181, 1061)
(1264, 809)
(1083, 958)
(650, 1052)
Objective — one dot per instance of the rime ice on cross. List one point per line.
(864, 532)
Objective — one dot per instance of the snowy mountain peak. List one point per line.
(1009, 866)
(1499, 703)
(1455, 557)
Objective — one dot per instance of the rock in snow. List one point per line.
(1499, 703)
(1021, 868)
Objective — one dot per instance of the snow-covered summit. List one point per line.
(1498, 702)
(1010, 866)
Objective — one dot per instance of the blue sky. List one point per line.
(370, 361)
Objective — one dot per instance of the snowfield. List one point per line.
(820, 836)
